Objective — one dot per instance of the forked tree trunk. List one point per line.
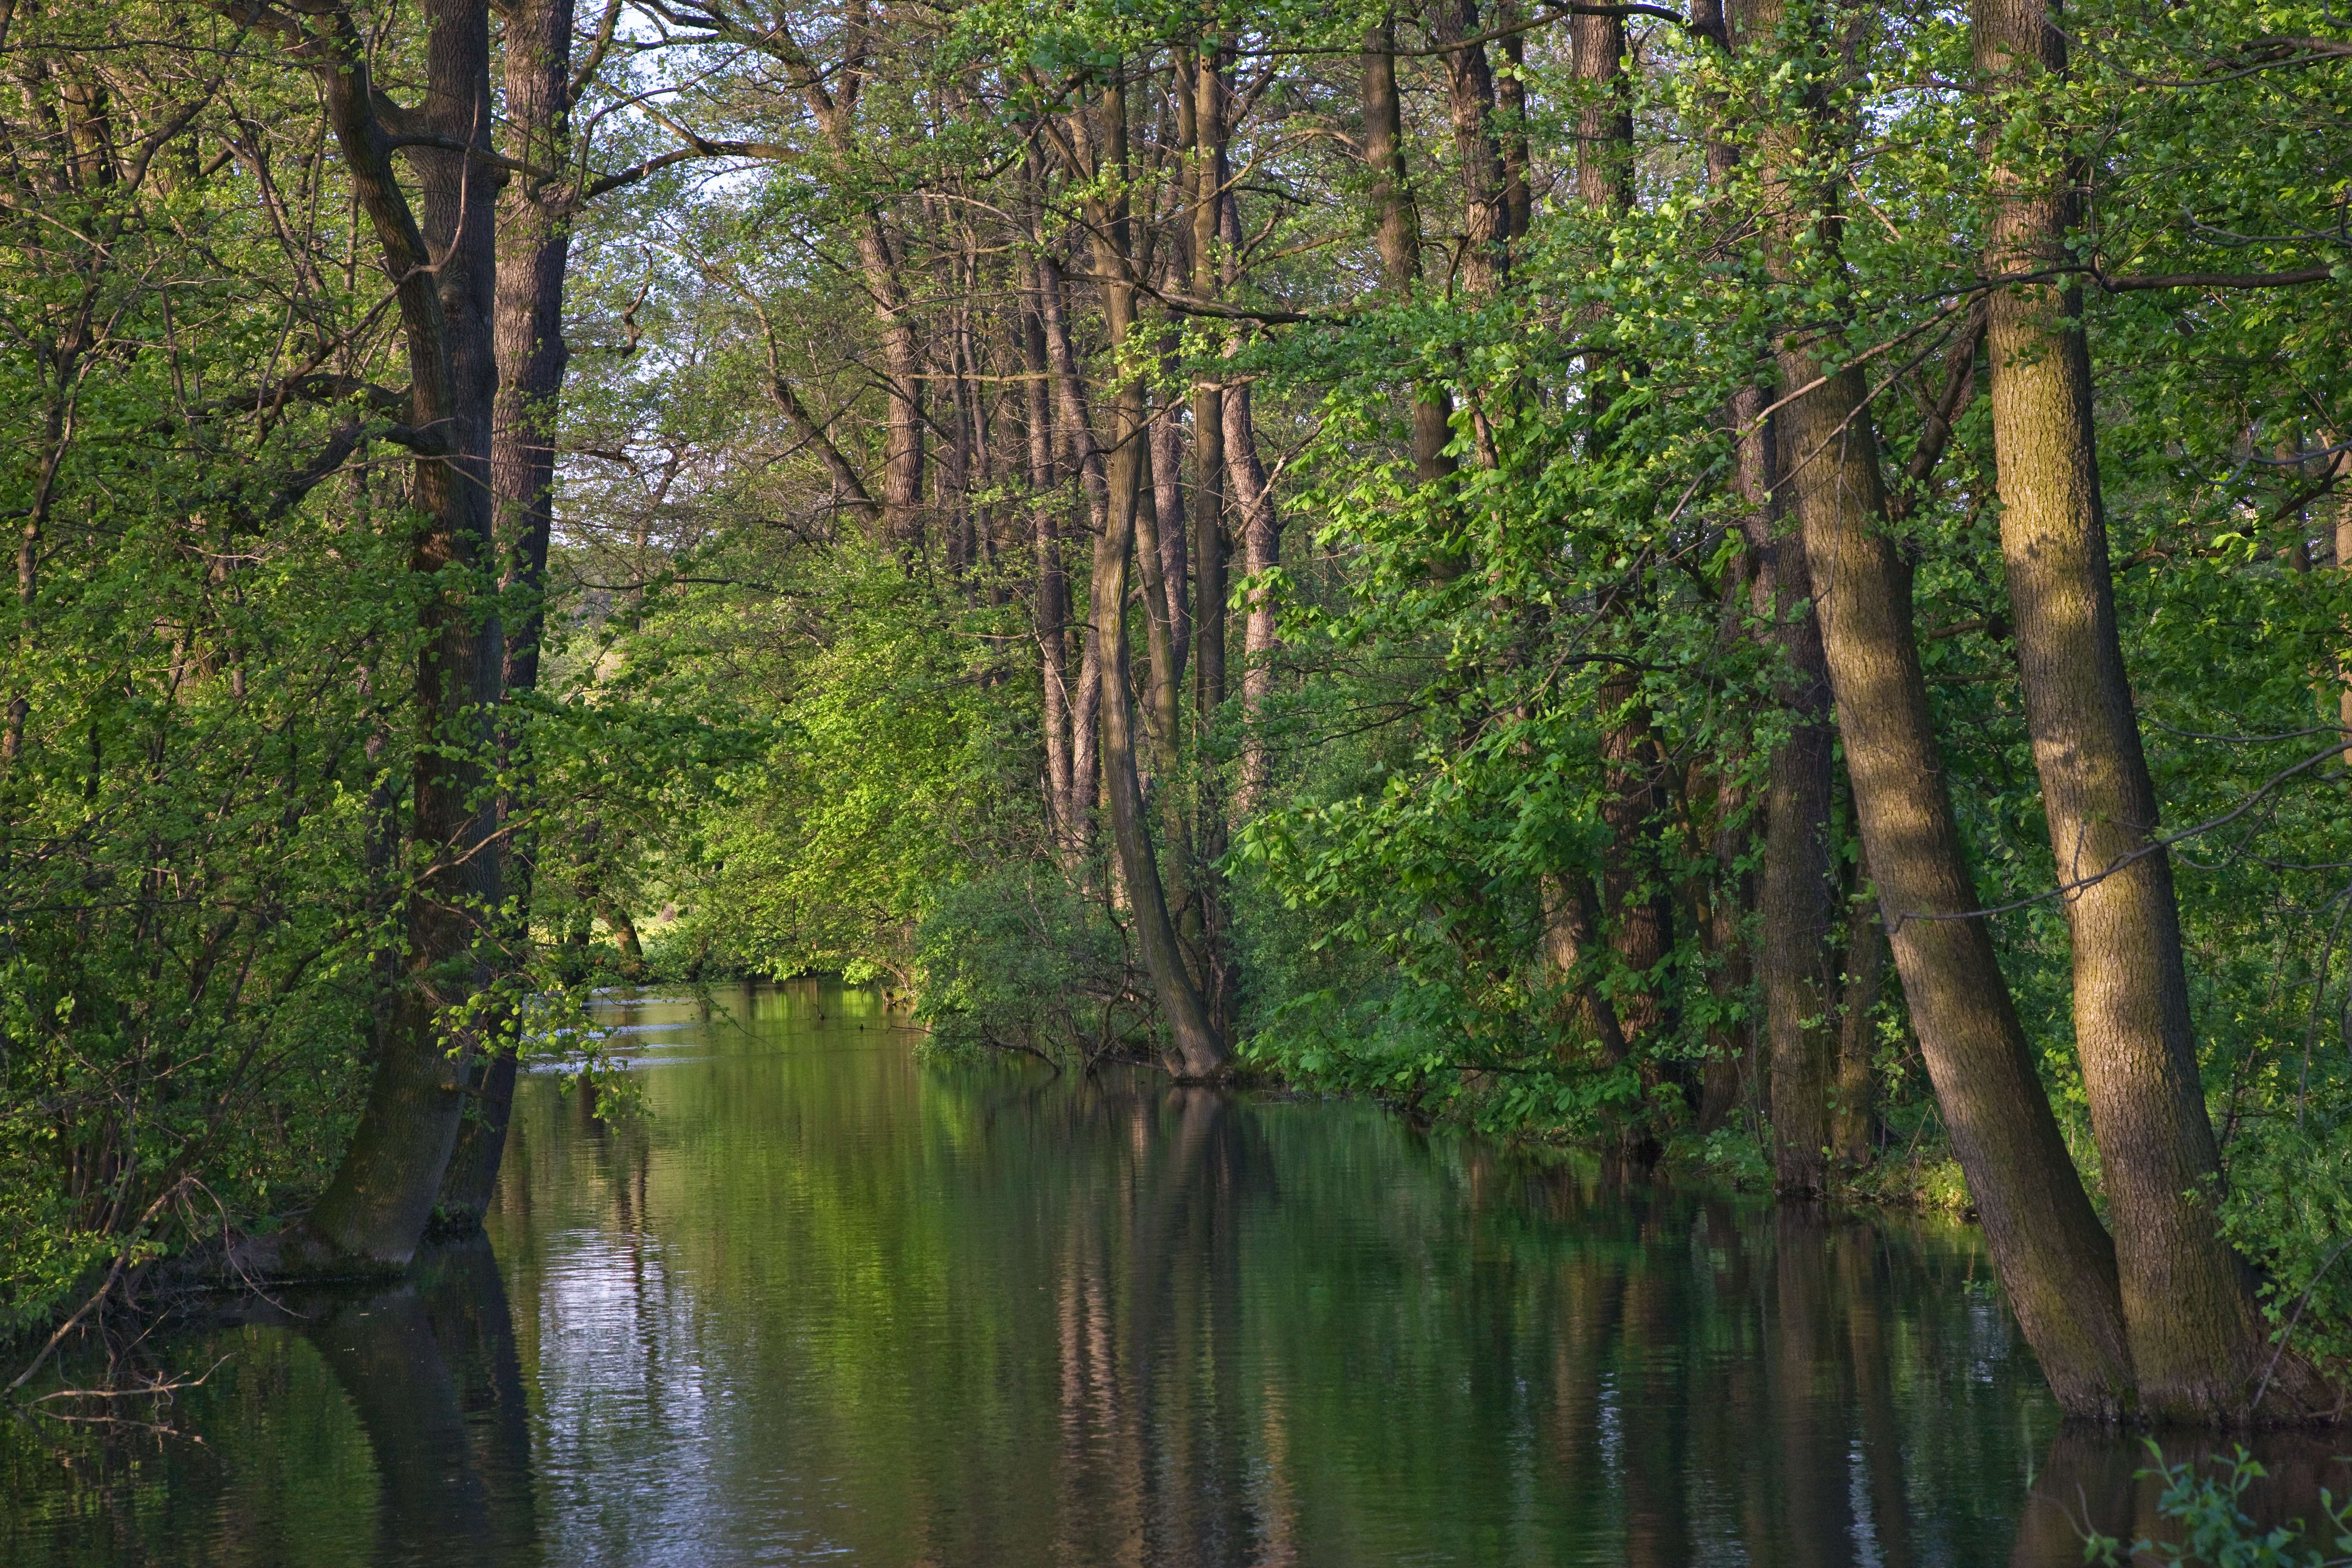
(2054, 1258)
(2197, 1347)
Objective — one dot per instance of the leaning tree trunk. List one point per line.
(375, 1209)
(2197, 1347)
(534, 251)
(2055, 1259)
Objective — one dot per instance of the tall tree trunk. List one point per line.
(374, 1209)
(1604, 116)
(1854, 1118)
(2055, 1259)
(1734, 1065)
(1051, 604)
(1470, 110)
(1636, 901)
(2197, 1341)
(902, 368)
(1194, 1050)
(1210, 547)
(1078, 430)
(1511, 106)
(1399, 232)
(1261, 538)
(1797, 892)
(832, 98)
(534, 251)
(1163, 694)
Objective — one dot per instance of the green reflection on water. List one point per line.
(826, 1303)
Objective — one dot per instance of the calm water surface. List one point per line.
(826, 1304)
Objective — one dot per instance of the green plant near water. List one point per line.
(2208, 1504)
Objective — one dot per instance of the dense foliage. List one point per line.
(1440, 427)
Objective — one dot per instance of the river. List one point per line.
(828, 1303)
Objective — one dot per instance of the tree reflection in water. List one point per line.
(829, 1303)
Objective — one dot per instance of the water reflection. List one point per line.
(384, 1426)
(828, 1304)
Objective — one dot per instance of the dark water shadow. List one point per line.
(384, 1426)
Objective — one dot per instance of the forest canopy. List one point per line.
(1756, 586)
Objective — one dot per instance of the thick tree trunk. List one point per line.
(1604, 119)
(1797, 892)
(1470, 110)
(2197, 1341)
(375, 1209)
(2055, 1260)
(534, 251)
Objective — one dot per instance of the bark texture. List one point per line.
(374, 1210)
(2197, 1341)
(534, 253)
(2054, 1258)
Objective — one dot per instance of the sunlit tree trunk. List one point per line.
(1470, 110)
(2197, 1341)
(1077, 432)
(2054, 1258)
